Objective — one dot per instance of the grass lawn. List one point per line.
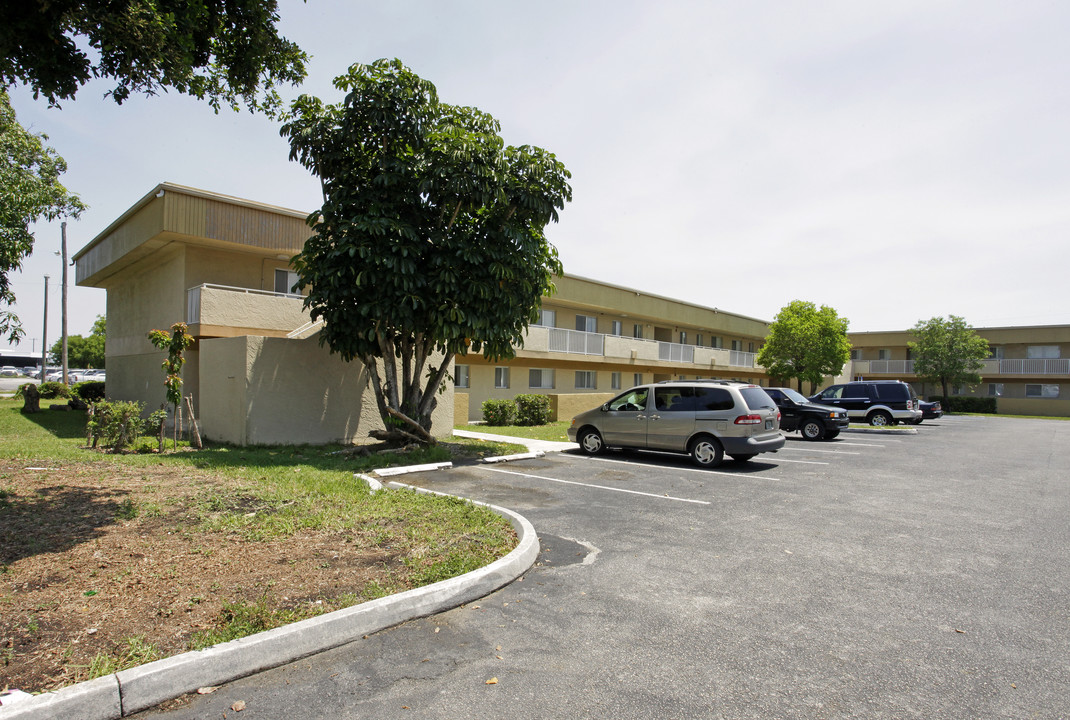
(550, 431)
(108, 561)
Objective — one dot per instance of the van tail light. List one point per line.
(749, 420)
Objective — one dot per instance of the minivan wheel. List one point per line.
(812, 430)
(706, 452)
(591, 442)
(880, 419)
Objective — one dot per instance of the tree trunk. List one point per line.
(31, 399)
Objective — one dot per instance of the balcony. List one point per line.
(222, 311)
(995, 367)
(576, 342)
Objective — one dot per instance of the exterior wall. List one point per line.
(567, 406)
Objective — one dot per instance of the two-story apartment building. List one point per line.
(258, 375)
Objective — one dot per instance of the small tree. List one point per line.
(948, 352)
(430, 238)
(174, 343)
(83, 352)
(806, 343)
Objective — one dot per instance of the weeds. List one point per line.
(136, 651)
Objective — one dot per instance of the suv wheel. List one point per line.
(880, 418)
(591, 442)
(706, 451)
(812, 430)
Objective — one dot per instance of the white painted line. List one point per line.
(854, 444)
(803, 462)
(681, 469)
(830, 452)
(599, 487)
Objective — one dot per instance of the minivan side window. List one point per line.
(677, 399)
(713, 399)
(857, 390)
(632, 400)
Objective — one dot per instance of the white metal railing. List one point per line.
(1035, 366)
(892, 367)
(297, 332)
(675, 352)
(738, 358)
(576, 341)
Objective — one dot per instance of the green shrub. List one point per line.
(499, 412)
(959, 403)
(89, 390)
(50, 390)
(116, 425)
(532, 409)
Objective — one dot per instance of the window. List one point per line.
(637, 331)
(542, 379)
(750, 347)
(683, 337)
(501, 377)
(716, 342)
(995, 389)
(460, 376)
(737, 344)
(547, 318)
(1037, 352)
(1042, 391)
(585, 380)
(884, 354)
(995, 352)
(614, 381)
(637, 379)
(856, 354)
(586, 323)
(958, 389)
(632, 400)
(698, 339)
(617, 328)
(285, 280)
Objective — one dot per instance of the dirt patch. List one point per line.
(99, 561)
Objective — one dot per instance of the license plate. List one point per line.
(768, 424)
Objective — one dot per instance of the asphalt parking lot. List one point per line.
(875, 576)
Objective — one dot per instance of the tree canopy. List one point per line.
(30, 190)
(431, 234)
(82, 352)
(222, 50)
(948, 352)
(806, 343)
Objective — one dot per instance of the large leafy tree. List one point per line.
(948, 352)
(223, 50)
(431, 234)
(806, 343)
(83, 352)
(30, 190)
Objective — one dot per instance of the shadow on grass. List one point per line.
(52, 520)
(61, 423)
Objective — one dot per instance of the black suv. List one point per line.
(878, 402)
(815, 422)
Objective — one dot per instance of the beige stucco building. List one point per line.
(258, 375)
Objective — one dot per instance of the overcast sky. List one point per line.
(896, 161)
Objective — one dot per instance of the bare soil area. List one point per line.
(98, 565)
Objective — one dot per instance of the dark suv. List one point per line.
(878, 402)
(813, 421)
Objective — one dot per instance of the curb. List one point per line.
(131, 691)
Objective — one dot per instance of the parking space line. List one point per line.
(829, 452)
(599, 487)
(683, 469)
(855, 444)
(802, 462)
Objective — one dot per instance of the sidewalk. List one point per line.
(532, 445)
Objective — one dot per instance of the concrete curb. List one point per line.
(140, 688)
(517, 456)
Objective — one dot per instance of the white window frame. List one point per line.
(716, 342)
(586, 380)
(884, 354)
(290, 281)
(617, 328)
(995, 389)
(547, 318)
(544, 376)
(614, 381)
(462, 376)
(501, 378)
(1042, 352)
(683, 337)
(589, 323)
(638, 379)
(637, 331)
(737, 345)
(1046, 391)
(856, 353)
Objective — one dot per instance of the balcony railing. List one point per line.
(1012, 366)
(576, 341)
(891, 367)
(675, 352)
(738, 358)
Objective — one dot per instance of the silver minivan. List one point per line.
(706, 418)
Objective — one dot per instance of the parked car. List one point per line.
(813, 421)
(9, 371)
(705, 418)
(878, 402)
(929, 411)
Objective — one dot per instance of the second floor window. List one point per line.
(618, 327)
(1042, 351)
(586, 323)
(547, 318)
(637, 331)
(884, 354)
(285, 280)
(683, 338)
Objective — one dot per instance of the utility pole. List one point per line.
(44, 337)
(63, 246)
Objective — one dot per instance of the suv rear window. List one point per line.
(757, 398)
(856, 390)
(892, 391)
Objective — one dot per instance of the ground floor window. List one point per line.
(501, 378)
(460, 376)
(614, 381)
(638, 379)
(1042, 391)
(585, 380)
(541, 379)
(995, 389)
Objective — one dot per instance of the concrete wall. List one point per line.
(272, 391)
(567, 406)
